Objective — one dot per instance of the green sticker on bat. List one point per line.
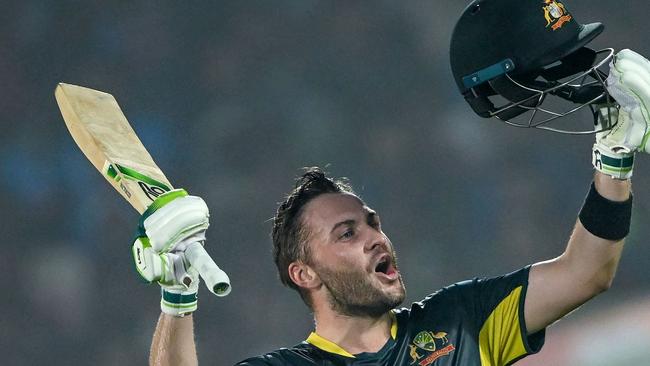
(151, 187)
(111, 172)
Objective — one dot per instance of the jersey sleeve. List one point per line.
(495, 310)
(252, 362)
(260, 361)
(269, 359)
(302, 354)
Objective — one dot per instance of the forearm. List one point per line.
(612, 189)
(173, 342)
(585, 269)
(603, 254)
(593, 258)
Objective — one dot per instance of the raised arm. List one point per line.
(173, 342)
(176, 223)
(588, 265)
(585, 269)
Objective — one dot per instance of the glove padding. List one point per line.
(629, 84)
(611, 155)
(172, 222)
(180, 217)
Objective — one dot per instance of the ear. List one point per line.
(303, 275)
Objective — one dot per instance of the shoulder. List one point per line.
(298, 355)
(485, 287)
(469, 293)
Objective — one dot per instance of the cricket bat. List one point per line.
(104, 135)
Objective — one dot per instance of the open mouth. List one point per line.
(382, 266)
(385, 266)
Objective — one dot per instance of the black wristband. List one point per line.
(604, 218)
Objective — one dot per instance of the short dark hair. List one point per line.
(289, 233)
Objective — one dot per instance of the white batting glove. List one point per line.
(610, 154)
(172, 222)
(629, 84)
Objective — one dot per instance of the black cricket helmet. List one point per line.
(521, 53)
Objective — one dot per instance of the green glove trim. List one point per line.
(178, 299)
(624, 163)
(177, 304)
(141, 234)
(161, 201)
(164, 266)
(619, 167)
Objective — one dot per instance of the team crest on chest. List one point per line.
(555, 14)
(427, 346)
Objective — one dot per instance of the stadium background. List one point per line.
(232, 98)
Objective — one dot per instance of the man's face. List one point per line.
(352, 256)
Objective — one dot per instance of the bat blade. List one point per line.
(104, 135)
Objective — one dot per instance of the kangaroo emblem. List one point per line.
(440, 335)
(553, 10)
(415, 356)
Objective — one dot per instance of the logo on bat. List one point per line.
(150, 187)
(151, 191)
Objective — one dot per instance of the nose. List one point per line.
(377, 241)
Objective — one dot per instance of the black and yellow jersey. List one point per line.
(478, 322)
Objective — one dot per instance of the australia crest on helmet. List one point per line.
(555, 14)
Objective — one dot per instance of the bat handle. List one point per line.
(217, 280)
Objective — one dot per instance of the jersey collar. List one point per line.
(331, 347)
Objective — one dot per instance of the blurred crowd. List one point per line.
(232, 99)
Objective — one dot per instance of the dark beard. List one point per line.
(352, 294)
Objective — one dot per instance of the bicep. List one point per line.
(550, 295)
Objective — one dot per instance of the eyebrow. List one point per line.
(350, 222)
(371, 216)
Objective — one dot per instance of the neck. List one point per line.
(355, 334)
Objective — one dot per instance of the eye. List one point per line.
(347, 234)
(373, 221)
